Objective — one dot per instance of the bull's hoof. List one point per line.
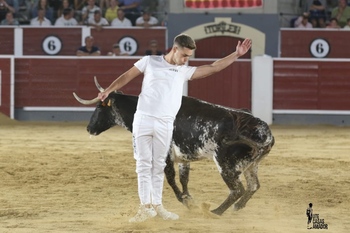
(189, 202)
(237, 207)
(206, 211)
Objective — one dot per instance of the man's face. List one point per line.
(181, 55)
(97, 17)
(89, 42)
(41, 14)
(9, 16)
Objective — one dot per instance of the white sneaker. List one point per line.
(143, 214)
(166, 215)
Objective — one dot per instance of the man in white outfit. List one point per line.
(158, 104)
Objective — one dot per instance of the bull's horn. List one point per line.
(86, 102)
(98, 85)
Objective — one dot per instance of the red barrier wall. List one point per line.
(5, 86)
(33, 40)
(230, 87)
(41, 82)
(45, 40)
(311, 85)
(299, 43)
(7, 38)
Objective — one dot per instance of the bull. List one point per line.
(235, 139)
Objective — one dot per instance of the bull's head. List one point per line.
(105, 115)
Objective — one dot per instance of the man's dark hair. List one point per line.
(185, 41)
(67, 11)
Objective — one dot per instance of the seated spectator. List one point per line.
(65, 4)
(4, 8)
(10, 20)
(347, 26)
(88, 11)
(66, 19)
(116, 51)
(341, 12)
(153, 48)
(98, 21)
(132, 9)
(303, 21)
(147, 20)
(333, 23)
(112, 11)
(41, 20)
(317, 12)
(121, 20)
(43, 4)
(89, 49)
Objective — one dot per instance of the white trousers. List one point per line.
(151, 140)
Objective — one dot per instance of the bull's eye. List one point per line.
(103, 104)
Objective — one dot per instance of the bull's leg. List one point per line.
(236, 190)
(251, 176)
(170, 176)
(184, 170)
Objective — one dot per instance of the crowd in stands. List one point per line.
(96, 13)
(324, 14)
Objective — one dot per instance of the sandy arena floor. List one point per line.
(55, 178)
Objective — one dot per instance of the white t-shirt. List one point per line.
(162, 86)
(103, 22)
(152, 20)
(118, 23)
(61, 21)
(36, 22)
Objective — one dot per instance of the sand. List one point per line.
(55, 178)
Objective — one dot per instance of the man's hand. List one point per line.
(102, 95)
(242, 48)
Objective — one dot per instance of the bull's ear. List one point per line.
(119, 92)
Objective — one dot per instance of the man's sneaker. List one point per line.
(143, 214)
(163, 213)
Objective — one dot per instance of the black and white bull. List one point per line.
(235, 139)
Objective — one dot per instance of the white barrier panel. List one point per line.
(262, 87)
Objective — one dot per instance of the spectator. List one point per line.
(10, 20)
(116, 51)
(132, 9)
(317, 12)
(341, 12)
(333, 23)
(40, 20)
(104, 4)
(147, 20)
(130, 6)
(43, 4)
(98, 21)
(112, 11)
(347, 26)
(65, 4)
(153, 48)
(121, 20)
(79, 4)
(67, 18)
(303, 21)
(4, 8)
(89, 49)
(14, 4)
(88, 11)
